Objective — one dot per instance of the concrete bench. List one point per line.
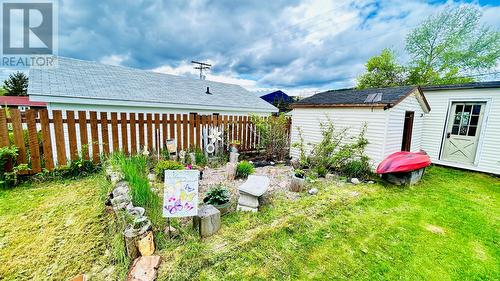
(250, 191)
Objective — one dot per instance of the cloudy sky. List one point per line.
(299, 46)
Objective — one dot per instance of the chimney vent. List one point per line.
(208, 91)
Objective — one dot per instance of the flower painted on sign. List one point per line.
(215, 135)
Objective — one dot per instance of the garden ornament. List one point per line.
(215, 135)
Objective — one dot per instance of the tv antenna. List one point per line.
(201, 66)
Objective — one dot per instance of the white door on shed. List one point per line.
(463, 131)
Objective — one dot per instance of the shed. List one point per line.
(463, 129)
(91, 86)
(394, 118)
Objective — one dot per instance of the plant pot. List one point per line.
(223, 208)
(297, 184)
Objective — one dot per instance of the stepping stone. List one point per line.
(144, 268)
(207, 221)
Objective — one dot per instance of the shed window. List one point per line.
(466, 120)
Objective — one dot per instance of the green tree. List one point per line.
(16, 85)
(382, 71)
(449, 46)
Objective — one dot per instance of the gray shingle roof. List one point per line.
(365, 97)
(85, 79)
(473, 85)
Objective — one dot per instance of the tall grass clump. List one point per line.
(135, 169)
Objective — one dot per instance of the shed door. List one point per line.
(463, 130)
(407, 131)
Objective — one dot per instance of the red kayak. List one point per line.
(403, 161)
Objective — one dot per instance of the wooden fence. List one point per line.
(54, 138)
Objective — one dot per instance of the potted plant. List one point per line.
(219, 197)
(298, 180)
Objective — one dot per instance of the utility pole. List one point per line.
(201, 66)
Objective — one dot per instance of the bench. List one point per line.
(250, 191)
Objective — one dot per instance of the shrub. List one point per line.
(336, 152)
(164, 165)
(76, 168)
(357, 168)
(244, 169)
(201, 159)
(217, 195)
(273, 132)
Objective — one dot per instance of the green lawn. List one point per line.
(445, 228)
(55, 230)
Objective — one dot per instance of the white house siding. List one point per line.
(488, 154)
(395, 126)
(309, 119)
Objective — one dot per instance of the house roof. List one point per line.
(374, 97)
(474, 85)
(277, 95)
(23, 101)
(91, 82)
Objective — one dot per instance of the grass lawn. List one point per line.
(54, 230)
(445, 228)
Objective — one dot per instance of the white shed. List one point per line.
(463, 129)
(394, 118)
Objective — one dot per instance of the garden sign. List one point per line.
(180, 198)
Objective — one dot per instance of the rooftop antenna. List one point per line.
(201, 66)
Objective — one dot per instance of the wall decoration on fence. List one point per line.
(180, 197)
(212, 138)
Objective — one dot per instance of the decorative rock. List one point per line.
(151, 177)
(133, 234)
(115, 177)
(355, 181)
(120, 202)
(207, 221)
(121, 188)
(330, 176)
(192, 157)
(146, 244)
(371, 182)
(144, 268)
(172, 232)
(136, 212)
(233, 157)
(313, 191)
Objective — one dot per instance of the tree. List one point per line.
(16, 85)
(451, 45)
(382, 71)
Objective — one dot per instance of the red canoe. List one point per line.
(403, 161)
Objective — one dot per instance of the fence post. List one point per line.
(46, 140)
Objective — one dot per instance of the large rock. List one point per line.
(144, 268)
(207, 221)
